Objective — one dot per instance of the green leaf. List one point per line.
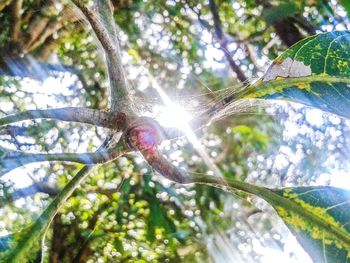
(315, 72)
(277, 13)
(318, 216)
(22, 250)
(346, 5)
(332, 205)
(158, 218)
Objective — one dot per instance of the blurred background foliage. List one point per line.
(199, 51)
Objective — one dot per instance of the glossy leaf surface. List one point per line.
(324, 239)
(314, 72)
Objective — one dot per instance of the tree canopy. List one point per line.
(174, 131)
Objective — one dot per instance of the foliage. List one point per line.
(313, 72)
(124, 212)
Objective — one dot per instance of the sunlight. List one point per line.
(179, 114)
(173, 116)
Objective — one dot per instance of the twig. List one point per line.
(223, 41)
(32, 190)
(16, 159)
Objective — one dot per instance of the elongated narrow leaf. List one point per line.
(315, 72)
(324, 243)
(29, 240)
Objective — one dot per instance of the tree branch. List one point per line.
(27, 66)
(70, 114)
(15, 159)
(32, 190)
(219, 35)
(42, 223)
(16, 19)
(52, 27)
(84, 249)
(223, 41)
(36, 26)
(102, 23)
(97, 26)
(164, 167)
(4, 3)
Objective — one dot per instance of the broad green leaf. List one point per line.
(332, 206)
(318, 216)
(315, 72)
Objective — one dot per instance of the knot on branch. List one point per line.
(144, 134)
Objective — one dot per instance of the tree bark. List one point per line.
(287, 31)
(16, 19)
(56, 240)
(70, 114)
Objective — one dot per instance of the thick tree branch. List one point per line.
(36, 27)
(97, 26)
(71, 114)
(52, 27)
(119, 86)
(102, 23)
(57, 240)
